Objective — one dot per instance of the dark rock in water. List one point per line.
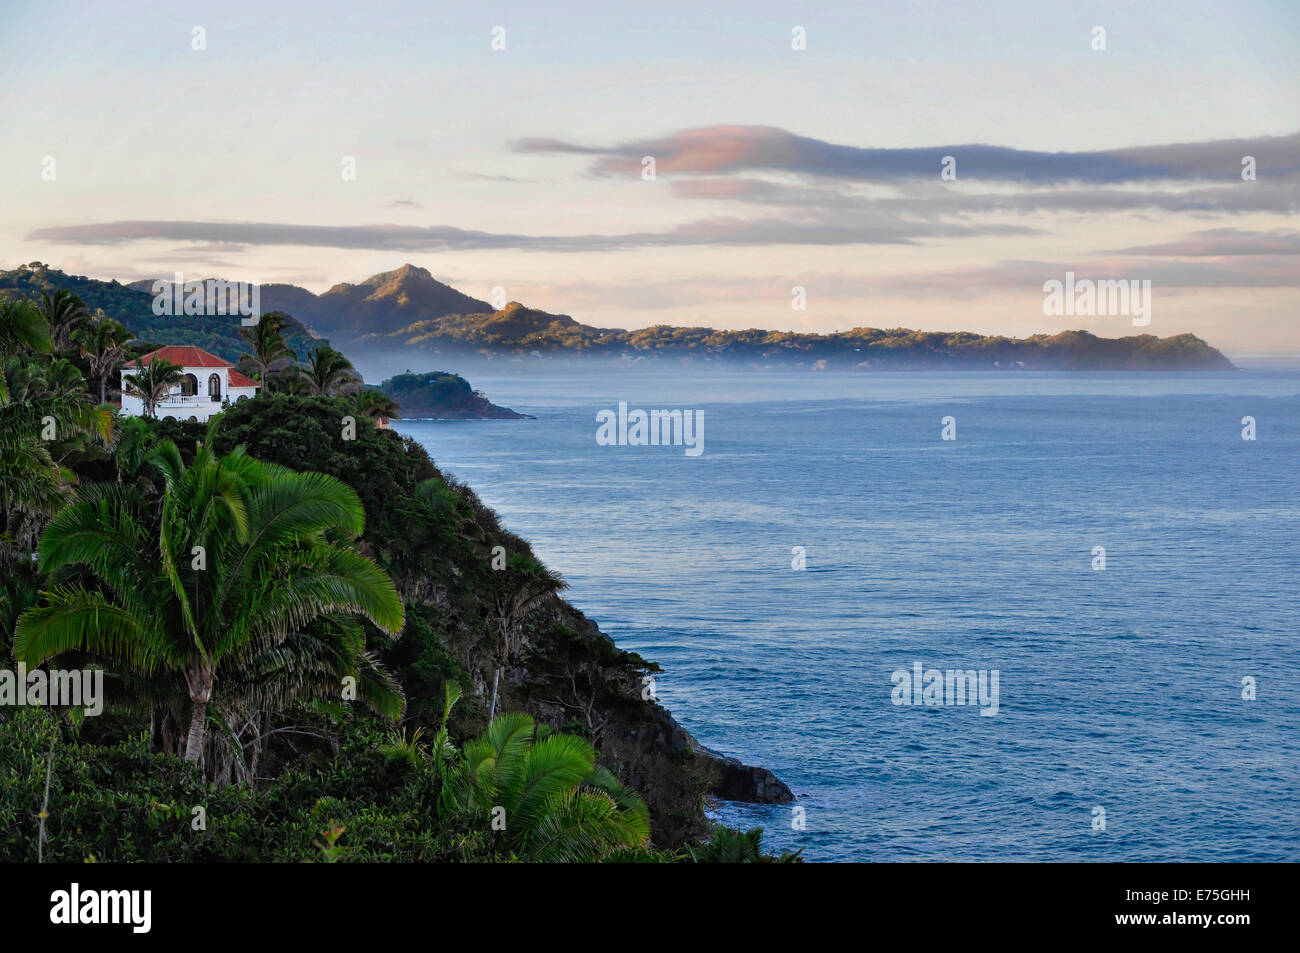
(733, 780)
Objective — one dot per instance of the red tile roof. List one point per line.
(239, 380)
(184, 356)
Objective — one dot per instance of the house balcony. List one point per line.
(193, 400)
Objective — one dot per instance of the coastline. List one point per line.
(561, 668)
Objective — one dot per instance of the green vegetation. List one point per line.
(519, 331)
(153, 382)
(132, 307)
(271, 355)
(284, 605)
(376, 799)
(408, 309)
(443, 395)
(237, 583)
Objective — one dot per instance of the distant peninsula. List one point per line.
(393, 313)
(408, 309)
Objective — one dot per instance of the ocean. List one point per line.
(1145, 711)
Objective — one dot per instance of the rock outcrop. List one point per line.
(735, 781)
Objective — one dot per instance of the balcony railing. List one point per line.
(192, 400)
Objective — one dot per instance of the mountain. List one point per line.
(393, 313)
(380, 304)
(396, 312)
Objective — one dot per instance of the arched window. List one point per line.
(189, 386)
(214, 387)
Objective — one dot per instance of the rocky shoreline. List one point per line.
(637, 737)
(478, 601)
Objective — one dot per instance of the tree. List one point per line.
(247, 579)
(524, 585)
(64, 312)
(729, 846)
(44, 409)
(376, 404)
(270, 353)
(22, 328)
(152, 382)
(547, 796)
(104, 346)
(329, 373)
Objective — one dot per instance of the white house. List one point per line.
(208, 383)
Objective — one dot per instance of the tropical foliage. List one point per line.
(376, 800)
(327, 373)
(132, 306)
(104, 346)
(377, 405)
(66, 314)
(46, 419)
(247, 579)
(241, 585)
(152, 383)
(269, 356)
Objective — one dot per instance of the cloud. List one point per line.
(1225, 242)
(406, 203)
(831, 230)
(820, 193)
(514, 180)
(937, 199)
(732, 149)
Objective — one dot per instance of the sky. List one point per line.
(214, 139)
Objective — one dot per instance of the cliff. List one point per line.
(465, 581)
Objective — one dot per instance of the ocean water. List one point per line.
(1119, 690)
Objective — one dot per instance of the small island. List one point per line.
(442, 395)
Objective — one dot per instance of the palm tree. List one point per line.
(19, 588)
(152, 382)
(247, 580)
(22, 328)
(104, 346)
(43, 407)
(37, 396)
(142, 460)
(555, 802)
(32, 488)
(270, 354)
(64, 312)
(329, 373)
(728, 846)
(377, 405)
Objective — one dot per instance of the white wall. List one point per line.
(202, 409)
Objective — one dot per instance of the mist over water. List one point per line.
(1119, 689)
